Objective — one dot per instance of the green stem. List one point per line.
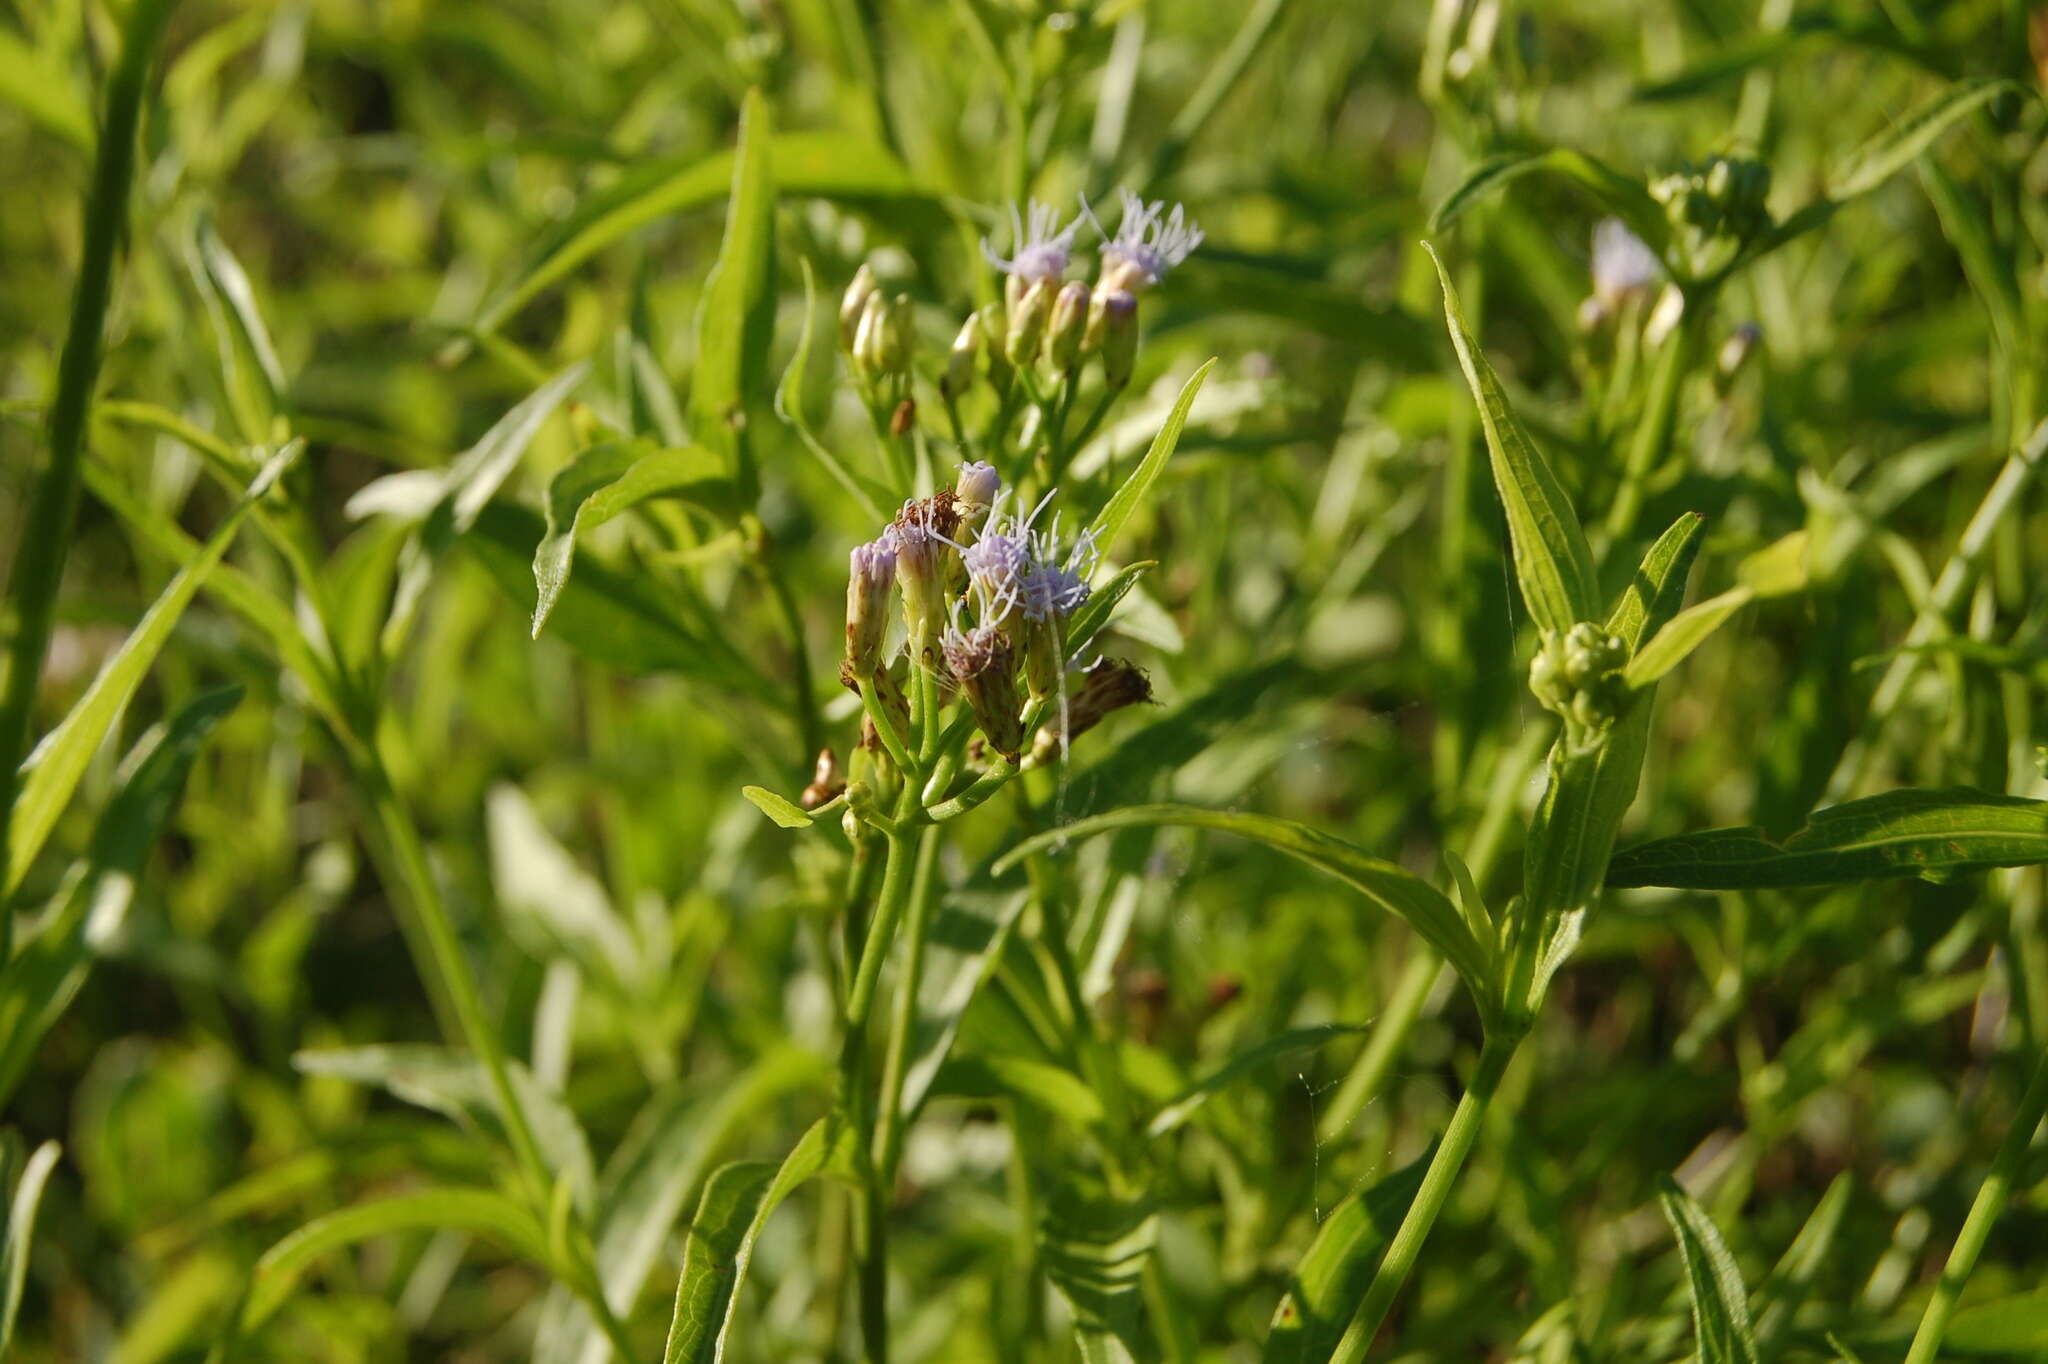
(1437, 1181)
(1992, 1197)
(903, 1019)
(451, 970)
(1660, 414)
(46, 529)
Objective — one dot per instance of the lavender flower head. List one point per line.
(1149, 242)
(1041, 249)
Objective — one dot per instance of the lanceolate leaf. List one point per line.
(1657, 590)
(1149, 468)
(737, 317)
(606, 480)
(1682, 634)
(720, 1243)
(1894, 149)
(1330, 1279)
(45, 975)
(1720, 1307)
(25, 1199)
(1088, 622)
(1931, 833)
(1553, 562)
(1406, 896)
(53, 771)
(475, 1211)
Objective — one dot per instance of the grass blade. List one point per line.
(1720, 1308)
(1891, 151)
(737, 317)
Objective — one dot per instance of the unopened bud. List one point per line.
(975, 493)
(1027, 325)
(925, 562)
(1119, 337)
(899, 336)
(853, 303)
(1109, 686)
(1068, 327)
(960, 360)
(1665, 317)
(983, 662)
(871, 572)
(868, 333)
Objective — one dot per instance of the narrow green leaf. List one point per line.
(1408, 897)
(53, 770)
(1051, 1087)
(21, 1231)
(828, 165)
(786, 813)
(1134, 488)
(1194, 1096)
(1780, 1295)
(1331, 1277)
(250, 372)
(473, 1211)
(1682, 634)
(602, 482)
(551, 904)
(1720, 1307)
(1657, 590)
(475, 476)
(1893, 150)
(1914, 832)
(968, 936)
(454, 1084)
(1088, 622)
(736, 320)
(45, 975)
(1553, 562)
(1627, 198)
(720, 1243)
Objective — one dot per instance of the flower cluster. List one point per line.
(987, 594)
(1044, 317)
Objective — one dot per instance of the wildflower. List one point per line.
(871, 572)
(983, 661)
(1068, 326)
(975, 492)
(1039, 251)
(1149, 242)
(882, 340)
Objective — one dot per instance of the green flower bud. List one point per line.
(1027, 324)
(959, 376)
(1069, 324)
(853, 303)
(871, 574)
(1119, 337)
(868, 337)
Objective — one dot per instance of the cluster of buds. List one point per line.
(1715, 209)
(986, 596)
(1578, 676)
(878, 332)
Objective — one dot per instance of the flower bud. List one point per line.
(853, 303)
(868, 332)
(1068, 327)
(871, 572)
(1665, 317)
(1107, 687)
(899, 336)
(1119, 337)
(975, 493)
(1579, 677)
(1027, 325)
(959, 376)
(925, 564)
(983, 662)
(994, 330)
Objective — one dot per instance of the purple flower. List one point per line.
(1040, 250)
(1149, 242)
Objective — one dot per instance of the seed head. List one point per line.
(1109, 686)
